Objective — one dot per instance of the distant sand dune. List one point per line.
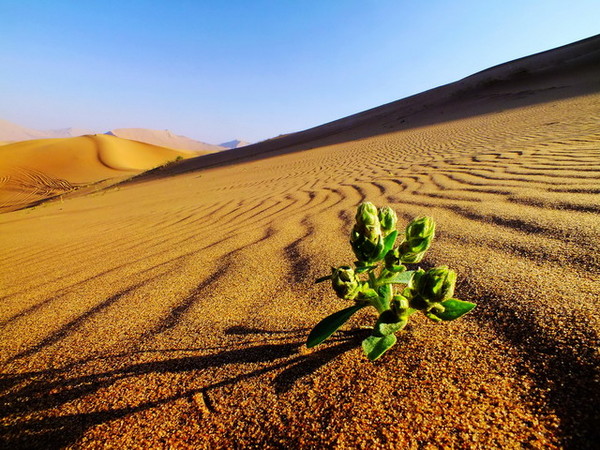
(166, 138)
(172, 310)
(42, 168)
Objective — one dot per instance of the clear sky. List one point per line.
(253, 69)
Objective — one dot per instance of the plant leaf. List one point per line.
(385, 294)
(325, 278)
(432, 316)
(388, 243)
(388, 323)
(400, 277)
(361, 268)
(454, 309)
(329, 325)
(375, 346)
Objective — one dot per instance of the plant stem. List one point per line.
(372, 280)
(379, 304)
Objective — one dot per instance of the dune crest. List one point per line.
(165, 138)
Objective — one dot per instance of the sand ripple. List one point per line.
(174, 311)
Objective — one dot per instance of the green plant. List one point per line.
(373, 241)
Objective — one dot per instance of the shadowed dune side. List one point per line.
(33, 171)
(174, 312)
(563, 72)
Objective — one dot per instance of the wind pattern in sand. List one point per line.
(188, 298)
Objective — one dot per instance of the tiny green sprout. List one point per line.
(395, 292)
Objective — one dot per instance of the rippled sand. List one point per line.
(173, 311)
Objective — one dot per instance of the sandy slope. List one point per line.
(38, 169)
(173, 311)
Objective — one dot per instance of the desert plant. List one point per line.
(395, 292)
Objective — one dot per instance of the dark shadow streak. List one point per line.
(68, 328)
(307, 364)
(244, 330)
(177, 312)
(50, 390)
(567, 370)
(295, 257)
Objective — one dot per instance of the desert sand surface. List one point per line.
(35, 170)
(172, 310)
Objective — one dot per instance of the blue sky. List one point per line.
(218, 70)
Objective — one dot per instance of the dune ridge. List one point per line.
(174, 310)
(165, 138)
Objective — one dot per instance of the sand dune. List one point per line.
(166, 139)
(236, 143)
(565, 72)
(172, 311)
(68, 132)
(35, 170)
(11, 132)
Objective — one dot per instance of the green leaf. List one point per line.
(454, 308)
(389, 240)
(375, 346)
(432, 316)
(330, 324)
(361, 268)
(325, 278)
(388, 323)
(401, 277)
(367, 293)
(388, 243)
(385, 293)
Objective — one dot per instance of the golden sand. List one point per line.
(35, 170)
(173, 311)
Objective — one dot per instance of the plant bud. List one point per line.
(367, 222)
(366, 238)
(367, 213)
(399, 304)
(437, 285)
(419, 234)
(388, 219)
(393, 261)
(366, 250)
(345, 283)
(407, 256)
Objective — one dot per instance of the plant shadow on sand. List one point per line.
(25, 397)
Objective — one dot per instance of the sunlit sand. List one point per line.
(173, 309)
